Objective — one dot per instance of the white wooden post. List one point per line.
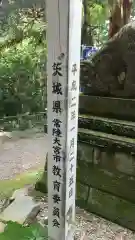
(64, 39)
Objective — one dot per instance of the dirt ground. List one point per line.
(20, 154)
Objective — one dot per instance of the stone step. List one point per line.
(106, 141)
(119, 108)
(112, 126)
(115, 183)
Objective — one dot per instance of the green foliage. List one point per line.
(16, 231)
(23, 57)
(98, 16)
(96, 21)
(21, 78)
(22, 65)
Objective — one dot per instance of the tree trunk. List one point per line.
(86, 30)
(120, 11)
(112, 70)
(127, 8)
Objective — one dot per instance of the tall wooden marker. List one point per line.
(64, 39)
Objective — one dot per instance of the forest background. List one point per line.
(23, 51)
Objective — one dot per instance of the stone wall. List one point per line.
(112, 161)
(117, 108)
(106, 183)
(106, 161)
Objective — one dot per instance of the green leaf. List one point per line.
(15, 231)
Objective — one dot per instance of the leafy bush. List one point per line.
(22, 65)
(21, 79)
(15, 231)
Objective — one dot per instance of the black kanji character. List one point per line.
(71, 159)
(70, 192)
(73, 98)
(74, 87)
(71, 181)
(69, 214)
(56, 141)
(74, 69)
(56, 198)
(73, 128)
(57, 69)
(56, 150)
(72, 143)
(57, 88)
(56, 122)
(73, 104)
(56, 132)
(57, 158)
(56, 223)
(71, 156)
(56, 212)
(71, 167)
(62, 55)
(56, 171)
(56, 107)
(73, 115)
(56, 185)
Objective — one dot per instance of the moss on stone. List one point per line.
(41, 184)
(112, 208)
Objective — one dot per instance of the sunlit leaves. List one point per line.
(16, 231)
(97, 14)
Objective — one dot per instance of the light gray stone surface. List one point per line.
(20, 210)
(19, 193)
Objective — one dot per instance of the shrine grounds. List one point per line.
(21, 163)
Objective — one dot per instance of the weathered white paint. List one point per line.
(64, 36)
